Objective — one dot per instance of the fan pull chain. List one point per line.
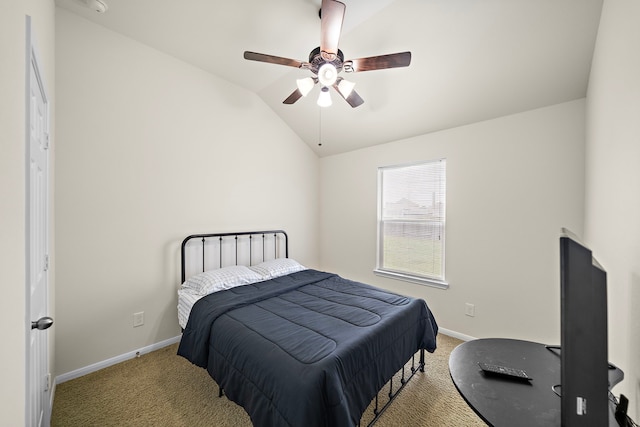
(320, 128)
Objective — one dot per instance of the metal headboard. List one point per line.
(275, 235)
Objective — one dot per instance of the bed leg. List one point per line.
(377, 411)
(220, 391)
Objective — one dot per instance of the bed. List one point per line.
(294, 346)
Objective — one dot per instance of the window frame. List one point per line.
(415, 277)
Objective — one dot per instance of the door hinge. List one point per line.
(46, 141)
(47, 382)
(46, 262)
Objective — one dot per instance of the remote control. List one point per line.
(503, 370)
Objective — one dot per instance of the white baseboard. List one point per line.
(455, 334)
(112, 361)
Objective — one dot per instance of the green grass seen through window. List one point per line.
(413, 255)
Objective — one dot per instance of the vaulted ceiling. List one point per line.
(472, 60)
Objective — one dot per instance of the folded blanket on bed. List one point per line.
(309, 348)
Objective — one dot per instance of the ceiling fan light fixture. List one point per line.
(327, 74)
(305, 85)
(346, 87)
(324, 100)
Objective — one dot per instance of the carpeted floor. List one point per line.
(163, 389)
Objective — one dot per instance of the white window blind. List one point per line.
(411, 222)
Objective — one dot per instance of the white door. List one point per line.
(38, 378)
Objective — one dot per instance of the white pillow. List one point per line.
(220, 279)
(277, 267)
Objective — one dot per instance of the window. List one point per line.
(411, 222)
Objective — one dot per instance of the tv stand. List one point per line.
(500, 402)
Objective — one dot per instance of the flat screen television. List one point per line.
(584, 359)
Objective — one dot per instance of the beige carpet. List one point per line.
(163, 389)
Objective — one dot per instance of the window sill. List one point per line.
(413, 279)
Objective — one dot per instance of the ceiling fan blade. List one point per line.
(332, 13)
(261, 57)
(352, 97)
(394, 60)
(293, 97)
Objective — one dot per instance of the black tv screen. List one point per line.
(584, 360)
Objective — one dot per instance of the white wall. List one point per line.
(150, 150)
(512, 183)
(612, 224)
(13, 315)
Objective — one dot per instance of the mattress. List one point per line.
(186, 299)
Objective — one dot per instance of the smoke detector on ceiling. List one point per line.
(97, 5)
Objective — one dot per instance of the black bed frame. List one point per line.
(280, 241)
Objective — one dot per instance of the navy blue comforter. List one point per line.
(306, 349)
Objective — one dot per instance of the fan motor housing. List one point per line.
(316, 60)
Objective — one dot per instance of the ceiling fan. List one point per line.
(326, 61)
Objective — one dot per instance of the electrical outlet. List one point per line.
(470, 310)
(138, 319)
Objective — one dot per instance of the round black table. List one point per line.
(504, 402)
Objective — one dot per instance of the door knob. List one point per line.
(42, 323)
